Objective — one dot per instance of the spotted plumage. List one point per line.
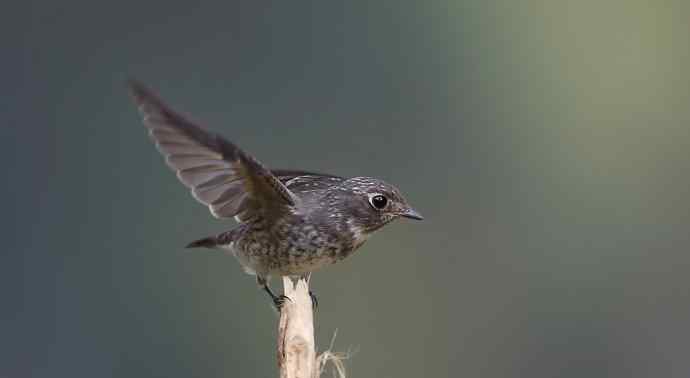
(291, 223)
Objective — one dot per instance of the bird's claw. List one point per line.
(279, 301)
(314, 301)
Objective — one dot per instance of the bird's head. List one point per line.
(372, 203)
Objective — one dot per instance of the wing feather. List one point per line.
(219, 174)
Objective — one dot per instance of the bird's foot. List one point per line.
(279, 301)
(314, 301)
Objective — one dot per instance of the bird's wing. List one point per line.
(285, 175)
(303, 181)
(219, 174)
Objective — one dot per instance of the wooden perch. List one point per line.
(296, 348)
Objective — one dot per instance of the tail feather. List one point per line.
(209, 242)
(220, 240)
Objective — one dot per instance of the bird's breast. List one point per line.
(296, 247)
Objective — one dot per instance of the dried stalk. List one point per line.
(296, 348)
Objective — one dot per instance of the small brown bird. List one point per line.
(290, 222)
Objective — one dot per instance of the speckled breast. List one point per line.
(292, 250)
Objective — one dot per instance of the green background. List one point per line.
(546, 143)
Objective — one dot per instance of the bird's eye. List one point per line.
(378, 201)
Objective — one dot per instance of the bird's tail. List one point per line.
(216, 241)
(209, 242)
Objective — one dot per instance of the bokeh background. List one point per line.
(546, 142)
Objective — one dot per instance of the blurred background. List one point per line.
(546, 143)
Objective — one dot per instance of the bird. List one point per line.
(290, 222)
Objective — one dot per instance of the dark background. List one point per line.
(546, 143)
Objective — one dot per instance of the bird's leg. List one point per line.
(278, 300)
(314, 302)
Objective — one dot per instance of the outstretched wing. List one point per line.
(220, 175)
(303, 181)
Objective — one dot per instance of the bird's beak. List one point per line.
(411, 213)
